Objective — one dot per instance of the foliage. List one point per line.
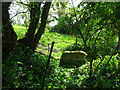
(26, 69)
(111, 68)
(63, 25)
(93, 24)
(98, 38)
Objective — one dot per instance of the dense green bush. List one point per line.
(63, 26)
(23, 69)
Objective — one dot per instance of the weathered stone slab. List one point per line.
(72, 57)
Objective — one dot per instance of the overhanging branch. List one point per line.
(17, 14)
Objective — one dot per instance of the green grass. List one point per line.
(20, 31)
(61, 40)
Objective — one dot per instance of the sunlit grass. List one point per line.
(61, 40)
(20, 31)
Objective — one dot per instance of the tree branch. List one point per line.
(17, 14)
(23, 3)
(42, 25)
(105, 66)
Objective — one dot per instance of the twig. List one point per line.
(104, 67)
(102, 70)
(17, 14)
(23, 3)
(99, 64)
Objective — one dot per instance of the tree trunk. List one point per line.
(34, 19)
(9, 37)
(31, 39)
(42, 25)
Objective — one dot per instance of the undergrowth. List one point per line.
(24, 69)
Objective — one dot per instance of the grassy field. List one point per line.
(61, 41)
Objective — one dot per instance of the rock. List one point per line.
(72, 57)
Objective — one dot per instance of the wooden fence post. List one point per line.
(47, 66)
